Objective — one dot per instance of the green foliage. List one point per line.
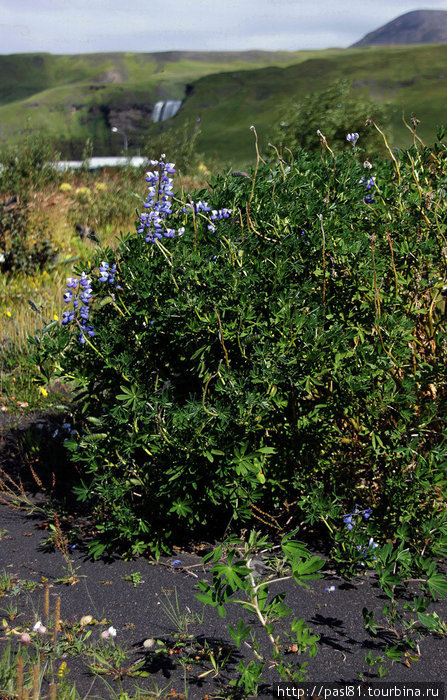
(237, 581)
(286, 366)
(406, 619)
(27, 166)
(335, 111)
(107, 203)
(179, 141)
(25, 245)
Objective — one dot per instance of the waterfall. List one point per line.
(165, 110)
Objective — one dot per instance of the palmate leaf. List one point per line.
(242, 632)
(437, 585)
(429, 620)
(306, 570)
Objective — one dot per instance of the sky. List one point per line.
(90, 26)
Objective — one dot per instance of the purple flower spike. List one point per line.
(79, 291)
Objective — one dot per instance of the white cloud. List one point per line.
(160, 25)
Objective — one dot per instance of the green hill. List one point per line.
(411, 79)
(72, 98)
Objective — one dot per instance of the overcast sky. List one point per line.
(83, 26)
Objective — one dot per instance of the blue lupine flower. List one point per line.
(104, 270)
(368, 181)
(369, 199)
(107, 273)
(353, 138)
(367, 551)
(79, 290)
(158, 202)
(176, 562)
(348, 521)
(158, 206)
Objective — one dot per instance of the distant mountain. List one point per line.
(418, 27)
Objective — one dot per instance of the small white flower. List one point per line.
(39, 627)
(112, 631)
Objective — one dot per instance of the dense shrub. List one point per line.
(103, 204)
(285, 359)
(27, 166)
(25, 245)
(335, 111)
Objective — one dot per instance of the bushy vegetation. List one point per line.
(25, 245)
(26, 166)
(334, 112)
(268, 351)
(274, 348)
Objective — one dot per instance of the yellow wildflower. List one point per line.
(83, 192)
(63, 670)
(43, 391)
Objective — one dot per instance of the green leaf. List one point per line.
(437, 585)
(93, 437)
(103, 302)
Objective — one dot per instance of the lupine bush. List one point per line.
(271, 348)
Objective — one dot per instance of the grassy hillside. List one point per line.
(72, 98)
(410, 79)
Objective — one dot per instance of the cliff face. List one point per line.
(418, 27)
